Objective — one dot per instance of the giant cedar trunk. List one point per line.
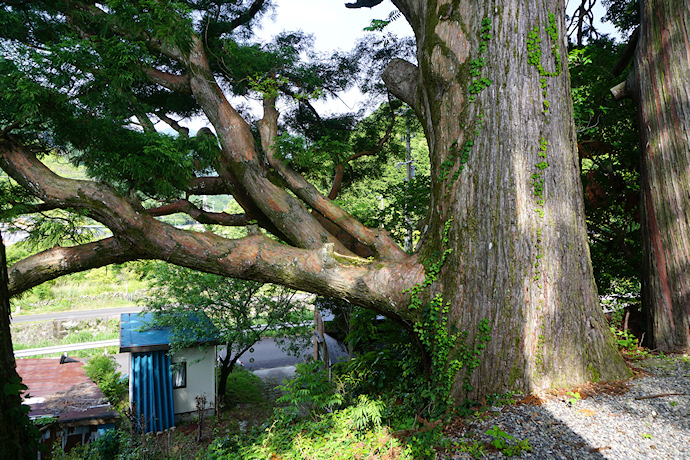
(662, 69)
(16, 437)
(519, 257)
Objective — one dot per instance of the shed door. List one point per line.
(151, 397)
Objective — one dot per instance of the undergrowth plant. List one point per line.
(507, 443)
(316, 424)
(447, 347)
(311, 391)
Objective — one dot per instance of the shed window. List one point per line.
(179, 375)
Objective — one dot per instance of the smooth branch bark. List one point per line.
(138, 235)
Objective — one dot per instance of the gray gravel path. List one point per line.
(603, 426)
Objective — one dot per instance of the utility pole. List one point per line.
(409, 163)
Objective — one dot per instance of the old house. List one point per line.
(64, 401)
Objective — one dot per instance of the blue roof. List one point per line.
(137, 335)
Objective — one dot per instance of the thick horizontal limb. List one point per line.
(177, 83)
(212, 185)
(138, 235)
(59, 261)
(382, 287)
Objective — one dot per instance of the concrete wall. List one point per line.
(201, 380)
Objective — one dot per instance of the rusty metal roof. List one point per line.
(65, 390)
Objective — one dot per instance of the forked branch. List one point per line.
(379, 241)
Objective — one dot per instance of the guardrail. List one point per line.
(68, 347)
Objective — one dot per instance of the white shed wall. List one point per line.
(201, 380)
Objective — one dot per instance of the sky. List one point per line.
(336, 27)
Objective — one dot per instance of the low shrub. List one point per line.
(103, 371)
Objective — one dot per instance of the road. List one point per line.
(268, 354)
(75, 314)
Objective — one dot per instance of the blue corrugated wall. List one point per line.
(152, 390)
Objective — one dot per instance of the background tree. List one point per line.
(662, 77)
(657, 83)
(624, 14)
(103, 370)
(608, 146)
(240, 313)
(499, 294)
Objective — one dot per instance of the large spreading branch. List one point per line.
(59, 261)
(240, 158)
(209, 185)
(240, 164)
(177, 83)
(138, 235)
(314, 259)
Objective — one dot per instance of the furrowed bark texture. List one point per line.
(662, 67)
(505, 171)
(15, 438)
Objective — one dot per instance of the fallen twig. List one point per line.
(661, 395)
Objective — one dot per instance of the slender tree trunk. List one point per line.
(662, 68)
(226, 366)
(493, 93)
(16, 438)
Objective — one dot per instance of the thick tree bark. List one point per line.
(16, 439)
(662, 68)
(505, 179)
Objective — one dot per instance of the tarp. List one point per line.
(151, 390)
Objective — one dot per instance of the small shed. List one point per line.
(165, 389)
(67, 402)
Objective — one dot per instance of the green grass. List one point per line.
(62, 167)
(74, 304)
(106, 287)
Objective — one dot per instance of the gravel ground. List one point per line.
(622, 424)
